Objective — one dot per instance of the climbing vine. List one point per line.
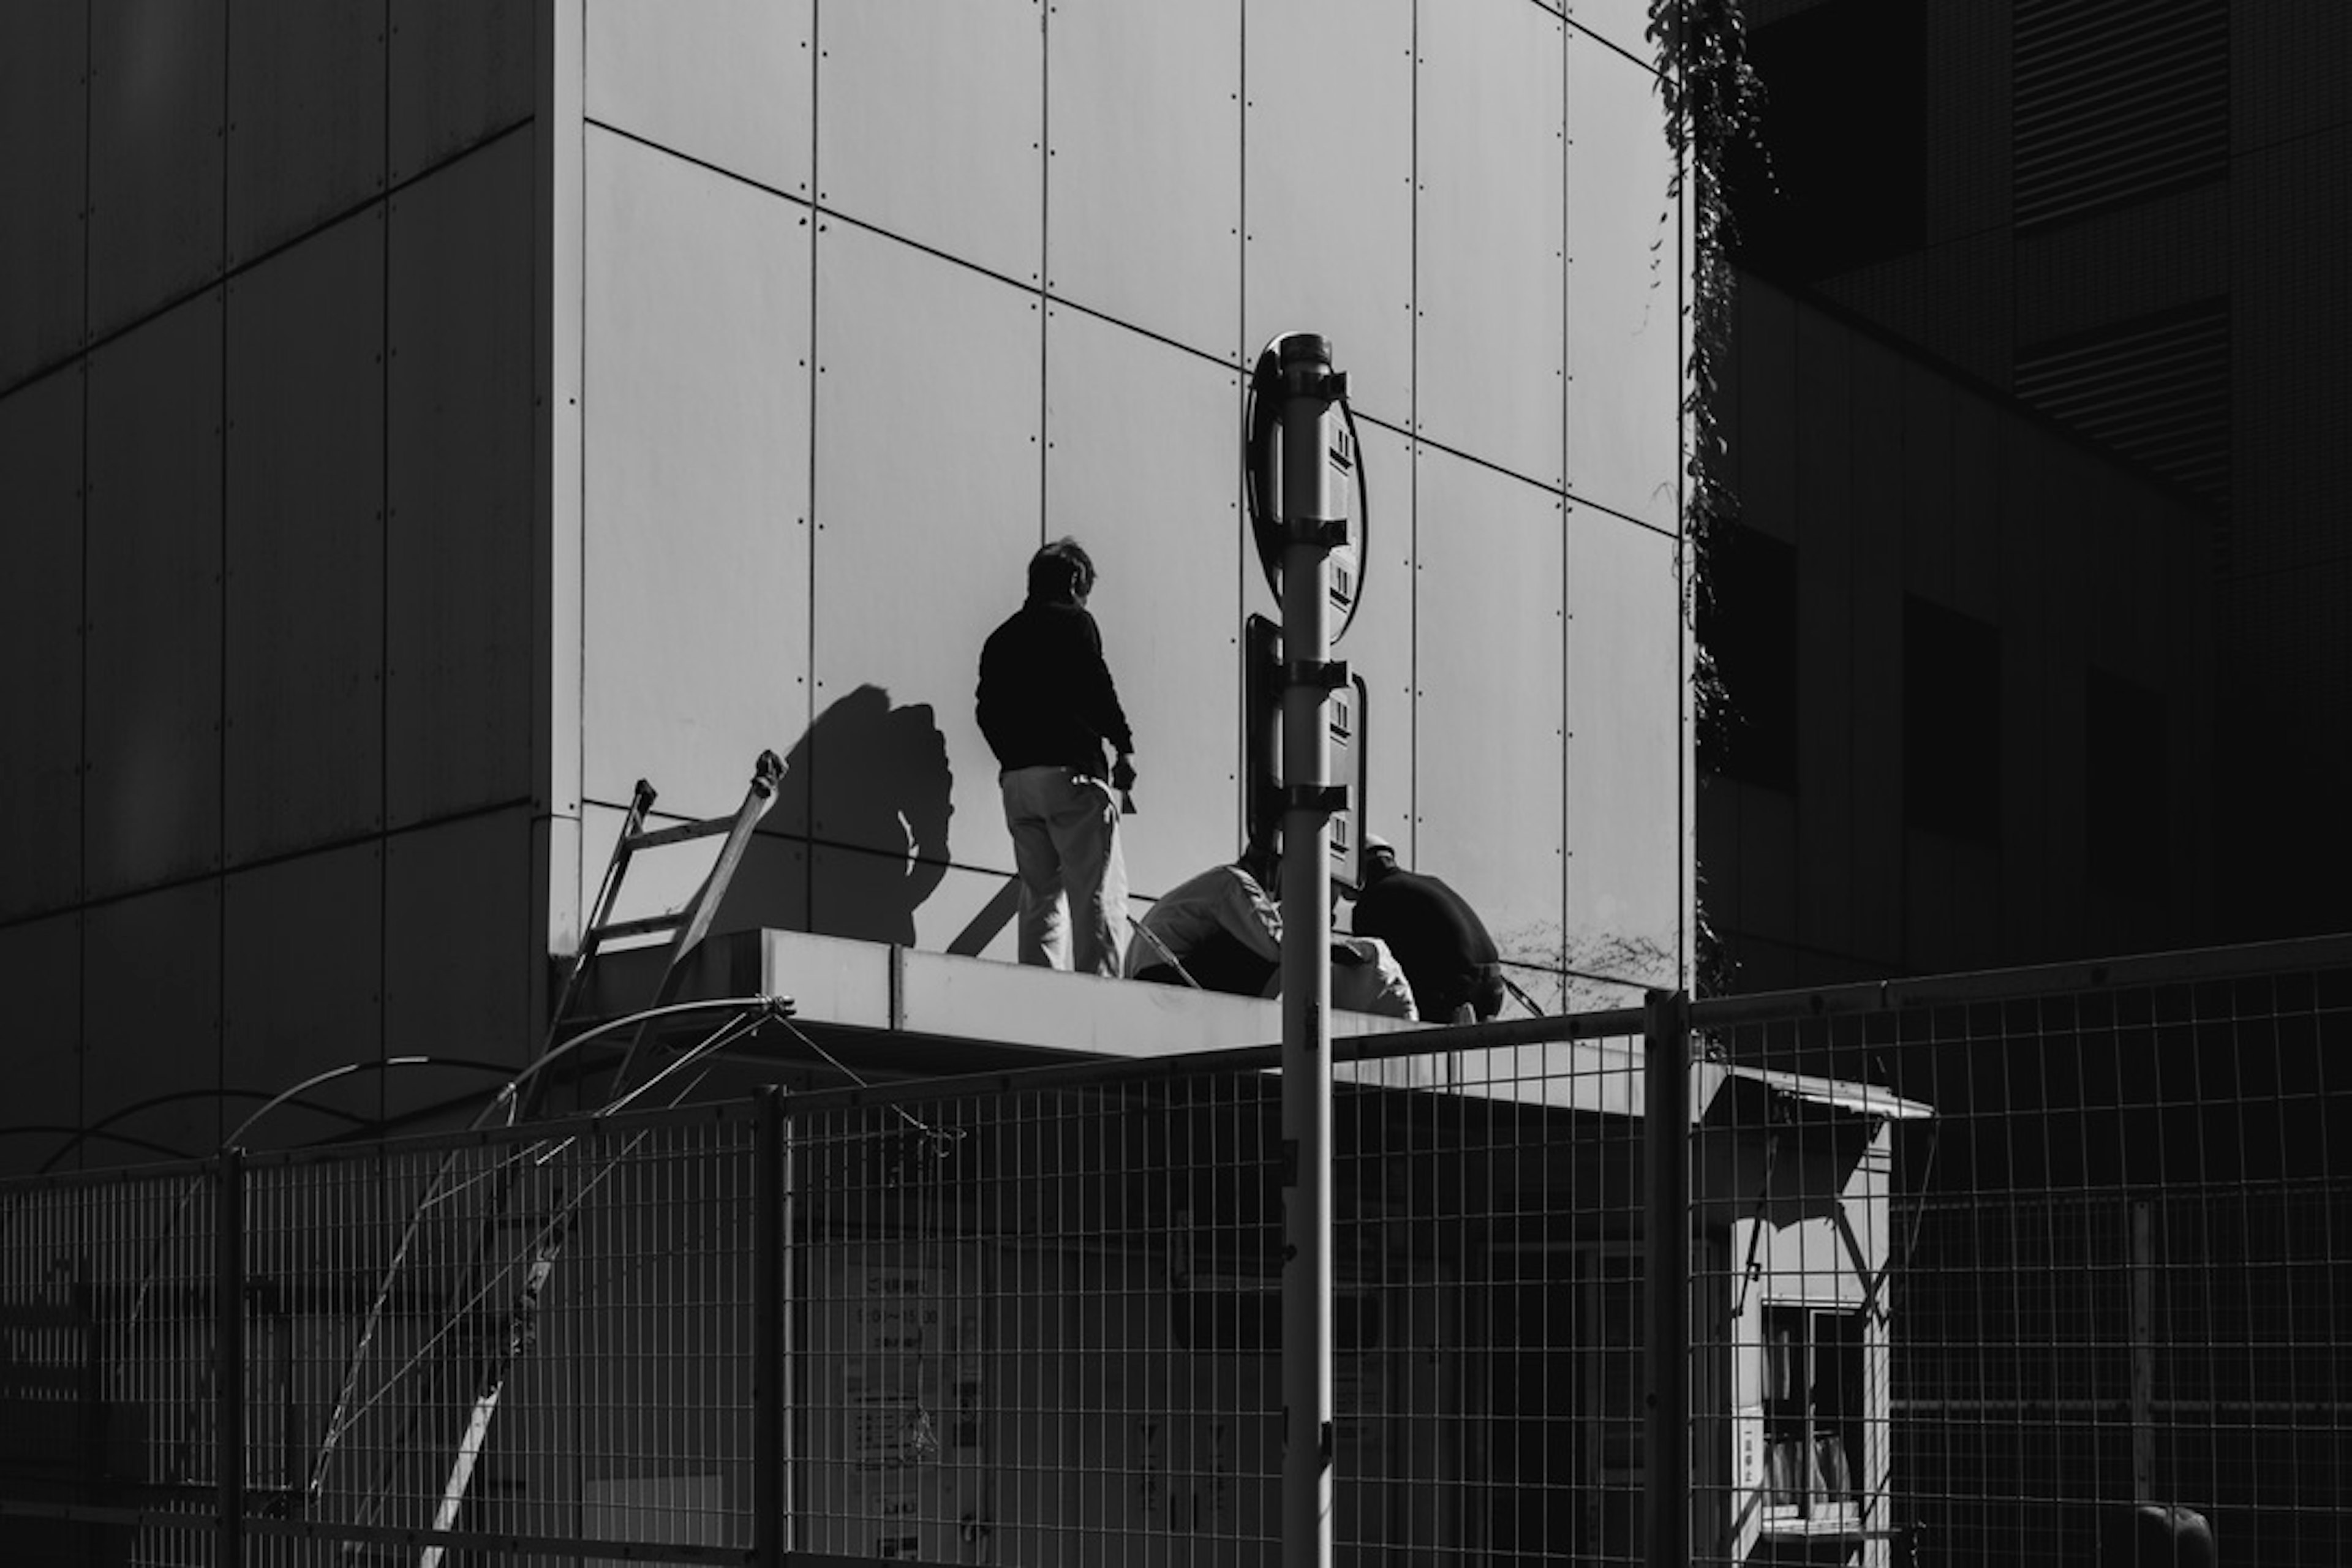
(1713, 99)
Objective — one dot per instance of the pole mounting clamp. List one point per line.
(1319, 532)
(1321, 675)
(1321, 799)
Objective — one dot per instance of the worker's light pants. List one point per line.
(1064, 828)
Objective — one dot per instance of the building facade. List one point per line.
(2130, 221)
(426, 420)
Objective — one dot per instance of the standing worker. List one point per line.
(1220, 927)
(1047, 707)
(1453, 963)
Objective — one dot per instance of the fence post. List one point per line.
(1666, 1232)
(770, 1353)
(228, 1356)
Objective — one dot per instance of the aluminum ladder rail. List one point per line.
(689, 924)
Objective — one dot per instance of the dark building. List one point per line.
(2118, 232)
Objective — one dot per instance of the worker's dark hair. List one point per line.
(1061, 571)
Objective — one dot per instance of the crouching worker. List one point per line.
(1443, 945)
(1220, 928)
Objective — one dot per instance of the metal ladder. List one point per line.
(687, 926)
(689, 923)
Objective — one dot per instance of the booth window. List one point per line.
(1813, 1414)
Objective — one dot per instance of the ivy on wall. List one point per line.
(1713, 99)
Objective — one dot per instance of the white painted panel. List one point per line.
(695, 425)
(1488, 699)
(460, 651)
(1622, 23)
(975, 914)
(1328, 148)
(458, 950)
(1488, 235)
(40, 967)
(156, 115)
(1625, 762)
(877, 772)
(305, 543)
(931, 119)
(1378, 645)
(771, 888)
(1144, 184)
(44, 165)
(150, 1024)
(305, 116)
(460, 72)
(40, 641)
(153, 725)
(726, 83)
(1142, 467)
(928, 505)
(872, 896)
(1625, 336)
(301, 991)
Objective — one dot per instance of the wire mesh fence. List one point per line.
(1976, 1268)
(2118, 1268)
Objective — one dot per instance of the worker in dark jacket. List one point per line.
(1048, 708)
(1443, 944)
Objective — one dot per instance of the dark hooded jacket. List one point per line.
(1046, 695)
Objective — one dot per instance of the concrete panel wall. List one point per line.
(852, 308)
(302, 990)
(158, 112)
(927, 476)
(40, 964)
(931, 124)
(695, 506)
(304, 553)
(1127, 419)
(1489, 272)
(1328, 183)
(459, 660)
(1623, 853)
(1488, 714)
(153, 510)
(460, 72)
(1047, 244)
(731, 83)
(149, 1028)
(40, 643)
(269, 432)
(306, 117)
(1144, 173)
(1624, 382)
(44, 158)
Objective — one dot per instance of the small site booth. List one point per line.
(1040, 1322)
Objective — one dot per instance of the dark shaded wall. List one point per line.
(1968, 669)
(2136, 218)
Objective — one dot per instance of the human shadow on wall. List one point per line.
(872, 783)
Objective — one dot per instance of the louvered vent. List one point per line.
(2155, 389)
(2115, 100)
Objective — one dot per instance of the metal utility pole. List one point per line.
(1308, 454)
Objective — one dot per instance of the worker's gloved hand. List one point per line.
(1122, 779)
